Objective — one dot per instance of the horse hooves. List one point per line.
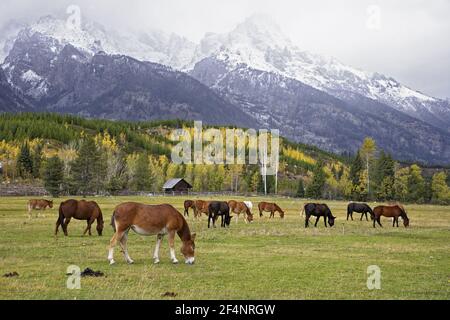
(111, 262)
(175, 261)
(130, 261)
(155, 261)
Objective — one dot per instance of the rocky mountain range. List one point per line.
(253, 76)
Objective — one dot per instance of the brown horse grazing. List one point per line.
(200, 207)
(38, 204)
(391, 212)
(270, 207)
(188, 204)
(80, 210)
(240, 207)
(150, 220)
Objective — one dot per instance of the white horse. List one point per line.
(248, 204)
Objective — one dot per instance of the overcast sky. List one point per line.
(409, 41)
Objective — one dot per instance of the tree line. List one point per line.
(83, 156)
(374, 175)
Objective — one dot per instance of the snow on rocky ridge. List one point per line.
(259, 43)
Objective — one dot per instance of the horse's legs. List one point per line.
(65, 224)
(393, 221)
(379, 221)
(88, 228)
(237, 217)
(325, 221)
(172, 246)
(396, 220)
(123, 245)
(59, 222)
(158, 245)
(260, 213)
(116, 237)
(317, 220)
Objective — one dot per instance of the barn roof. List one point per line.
(173, 182)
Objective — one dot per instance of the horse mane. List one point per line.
(329, 213)
(184, 233)
(277, 207)
(402, 209)
(100, 214)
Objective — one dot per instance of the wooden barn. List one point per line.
(177, 185)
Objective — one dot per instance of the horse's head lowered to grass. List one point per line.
(188, 248)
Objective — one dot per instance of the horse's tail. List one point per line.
(60, 215)
(60, 220)
(113, 221)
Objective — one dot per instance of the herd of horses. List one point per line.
(164, 219)
(214, 209)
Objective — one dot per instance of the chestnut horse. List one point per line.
(150, 220)
(80, 210)
(270, 207)
(391, 212)
(200, 207)
(38, 204)
(240, 207)
(187, 205)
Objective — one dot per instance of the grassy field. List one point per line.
(267, 259)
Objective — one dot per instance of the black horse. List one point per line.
(318, 210)
(362, 208)
(219, 208)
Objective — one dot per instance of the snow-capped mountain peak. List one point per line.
(91, 37)
(259, 43)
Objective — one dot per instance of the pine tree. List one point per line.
(300, 189)
(53, 176)
(384, 177)
(24, 161)
(37, 160)
(315, 188)
(88, 169)
(142, 176)
(355, 169)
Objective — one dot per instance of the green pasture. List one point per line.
(267, 259)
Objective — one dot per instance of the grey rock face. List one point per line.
(65, 79)
(311, 116)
